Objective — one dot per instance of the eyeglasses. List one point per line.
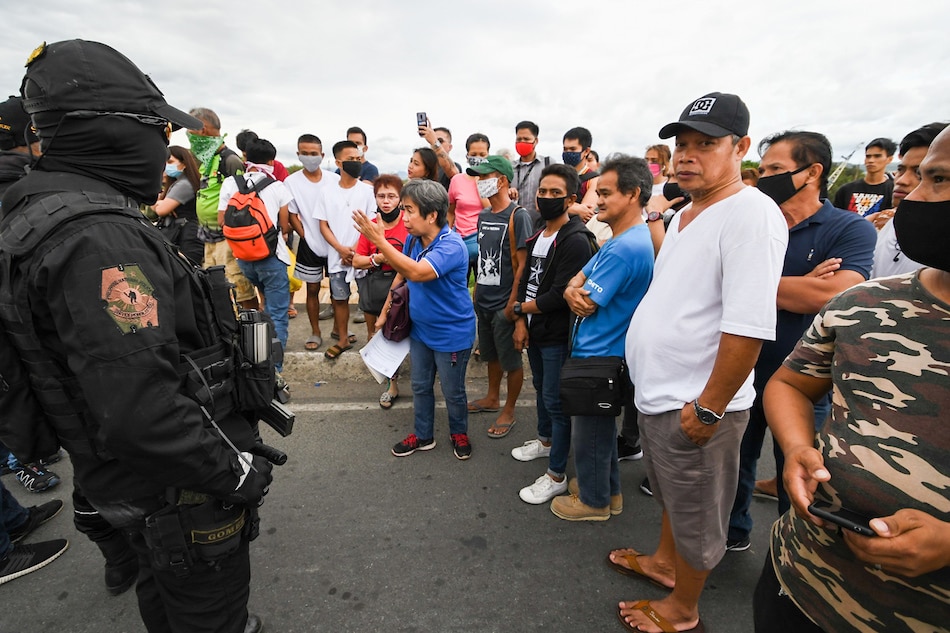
(387, 196)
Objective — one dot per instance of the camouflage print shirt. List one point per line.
(886, 345)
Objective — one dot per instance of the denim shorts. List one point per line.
(339, 286)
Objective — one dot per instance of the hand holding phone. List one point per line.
(422, 120)
(843, 517)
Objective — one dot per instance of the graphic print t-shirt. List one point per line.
(537, 266)
(495, 274)
(864, 199)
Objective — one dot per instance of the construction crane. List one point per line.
(844, 163)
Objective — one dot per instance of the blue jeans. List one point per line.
(270, 277)
(451, 367)
(595, 458)
(12, 516)
(553, 425)
(740, 520)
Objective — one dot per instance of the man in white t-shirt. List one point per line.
(335, 212)
(269, 275)
(305, 186)
(691, 347)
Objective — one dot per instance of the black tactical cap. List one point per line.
(16, 129)
(77, 75)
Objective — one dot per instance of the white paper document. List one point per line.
(383, 357)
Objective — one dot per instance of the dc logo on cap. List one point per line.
(702, 106)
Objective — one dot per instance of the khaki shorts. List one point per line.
(219, 254)
(695, 485)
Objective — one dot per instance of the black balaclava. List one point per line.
(120, 151)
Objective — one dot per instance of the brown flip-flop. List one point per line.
(634, 568)
(335, 350)
(665, 625)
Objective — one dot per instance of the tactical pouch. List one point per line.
(165, 538)
(214, 529)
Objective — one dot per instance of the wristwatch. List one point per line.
(517, 309)
(437, 144)
(706, 416)
(653, 216)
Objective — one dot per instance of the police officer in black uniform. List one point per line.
(19, 148)
(106, 324)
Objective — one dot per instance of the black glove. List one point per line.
(252, 491)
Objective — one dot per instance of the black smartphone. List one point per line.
(843, 517)
(421, 119)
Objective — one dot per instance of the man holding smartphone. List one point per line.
(883, 346)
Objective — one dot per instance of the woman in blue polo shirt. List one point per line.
(434, 262)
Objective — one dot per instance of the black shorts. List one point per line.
(310, 267)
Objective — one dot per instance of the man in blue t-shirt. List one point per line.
(604, 295)
(829, 250)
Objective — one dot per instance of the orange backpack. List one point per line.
(247, 225)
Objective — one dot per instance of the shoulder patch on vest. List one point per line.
(127, 295)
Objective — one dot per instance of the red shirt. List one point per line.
(396, 236)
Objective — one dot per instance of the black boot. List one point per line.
(122, 564)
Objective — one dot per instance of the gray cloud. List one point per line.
(623, 69)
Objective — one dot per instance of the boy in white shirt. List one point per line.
(269, 275)
(335, 212)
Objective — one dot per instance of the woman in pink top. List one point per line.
(464, 203)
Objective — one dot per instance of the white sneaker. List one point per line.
(543, 490)
(532, 449)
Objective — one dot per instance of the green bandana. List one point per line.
(204, 147)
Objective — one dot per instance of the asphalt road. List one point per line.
(354, 539)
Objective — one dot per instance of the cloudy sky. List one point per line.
(621, 68)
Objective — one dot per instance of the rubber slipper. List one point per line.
(665, 625)
(351, 338)
(387, 399)
(634, 568)
(313, 343)
(475, 408)
(506, 429)
(334, 351)
(291, 312)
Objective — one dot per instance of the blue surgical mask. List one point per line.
(172, 171)
(571, 158)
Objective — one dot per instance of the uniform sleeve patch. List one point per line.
(128, 298)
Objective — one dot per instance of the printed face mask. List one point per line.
(475, 161)
(204, 147)
(310, 163)
(487, 187)
(550, 208)
(571, 158)
(923, 232)
(780, 186)
(352, 167)
(524, 149)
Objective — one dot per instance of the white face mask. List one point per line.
(487, 187)
(310, 163)
(360, 149)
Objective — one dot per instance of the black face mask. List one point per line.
(352, 167)
(780, 187)
(923, 232)
(388, 217)
(120, 151)
(550, 208)
(672, 191)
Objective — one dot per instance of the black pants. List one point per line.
(775, 613)
(211, 599)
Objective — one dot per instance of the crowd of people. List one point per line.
(728, 303)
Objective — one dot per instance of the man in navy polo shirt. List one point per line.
(829, 250)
